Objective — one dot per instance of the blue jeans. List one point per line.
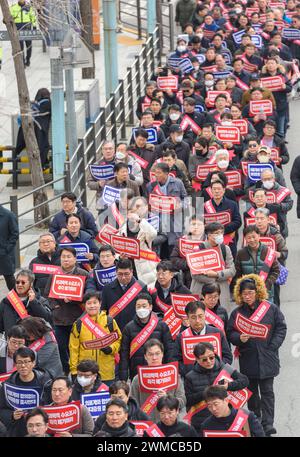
(281, 123)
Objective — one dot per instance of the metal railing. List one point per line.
(133, 14)
(111, 124)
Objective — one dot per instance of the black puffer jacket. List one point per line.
(42, 382)
(127, 430)
(132, 329)
(41, 279)
(259, 358)
(134, 414)
(198, 379)
(37, 308)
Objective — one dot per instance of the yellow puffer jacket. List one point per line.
(77, 352)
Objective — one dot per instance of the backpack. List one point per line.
(110, 324)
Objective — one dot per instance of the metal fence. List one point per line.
(133, 14)
(111, 124)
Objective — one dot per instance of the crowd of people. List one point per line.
(167, 305)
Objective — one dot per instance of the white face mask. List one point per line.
(120, 155)
(263, 158)
(238, 10)
(174, 116)
(209, 83)
(142, 313)
(200, 35)
(83, 381)
(181, 48)
(268, 184)
(223, 163)
(196, 67)
(179, 139)
(219, 239)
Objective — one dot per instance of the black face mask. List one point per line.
(201, 152)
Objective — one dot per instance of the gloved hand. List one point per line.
(107, 350)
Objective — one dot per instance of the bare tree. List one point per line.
(87, 34)
(32, 148)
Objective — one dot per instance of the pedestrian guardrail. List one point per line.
(134, 16)
(111, 124)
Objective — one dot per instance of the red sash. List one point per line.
(266, 36)
(239, 421)
(247, 65)
(121, 304)
(17, 304)
(261, 311)
(154, 431)
(157, 190)
(102, 388)
(162, 305)
(149, 255)
(150, 403)
(268, 262)
(251, 212)
(93, 327)
(281, 194)
(143, 335)
(209, 207)
(194, 410)
(146, 103)
(241, 84)
(188, 122)
(213, 319)
(117, 215)
(142, 162)
(38, 344)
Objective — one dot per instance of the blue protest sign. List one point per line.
(186, 66)
(110, 195)
(237, 36)
(222, 74)
(81, 249)
(106, 275)
(257, 40)
(257, 28)
(255, 170)
(96, 403)
(227, 57)
(224, 44)
(291, 34)
(201, 58)
(173, 62)
(154, 221)
(199, 108)
(102, 172)
(21, 397)
(152, 135)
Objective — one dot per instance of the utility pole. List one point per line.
(57, 26)
(110, 46)
(151, 16)
(86, 11)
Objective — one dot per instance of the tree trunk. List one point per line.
(32, 148)
(87, 34)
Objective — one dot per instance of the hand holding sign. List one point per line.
(244, 338)
(18, 414)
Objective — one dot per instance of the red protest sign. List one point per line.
(189, 342)
(100, 343)
(104, 235)
(219, 434)
(67, 286)
(187, 246)
(179, 302)
(273, 83)
(242, 125)
(162, 203)
(253, 329)
(228, 134)
(173, 322)
(270, 242)
(212, 95)
(167, 83)
(63, 418)
(234, 178)
(261, 107)
(203, 170)
(46, 269)
(275, 156)
(128, 246)
(206, 259)
(237, 398)
(224, 217)
(164, 377)
(141, 426)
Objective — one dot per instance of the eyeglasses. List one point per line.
(17, 343)
(21, 282)
(209, 358)
(23, 363)
(253, 145)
